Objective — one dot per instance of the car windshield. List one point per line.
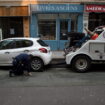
(4, 43)
(42, 43)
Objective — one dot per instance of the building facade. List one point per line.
(49, 19)
(95, 14)
(52, 19)
(14, 19)
(51, 22)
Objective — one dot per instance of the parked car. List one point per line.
(11, 47)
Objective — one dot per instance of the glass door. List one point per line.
(65, 27)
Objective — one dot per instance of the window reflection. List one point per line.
(95, 20)
(47, 26)
(47, 29)
(63, 29)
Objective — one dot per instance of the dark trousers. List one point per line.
(19, 68)
(79, 43)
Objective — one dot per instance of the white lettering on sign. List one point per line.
(95, 8)
(56, 8)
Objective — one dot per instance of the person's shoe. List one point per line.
(11, 74)
(30, 74)
(25, 73)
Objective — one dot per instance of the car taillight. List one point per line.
(43, 50)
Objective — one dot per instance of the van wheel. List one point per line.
(81, 63)
(37, 64)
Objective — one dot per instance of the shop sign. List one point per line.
(57, 8)
(95, 8)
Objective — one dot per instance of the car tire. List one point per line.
(37, 64)
(81, 64)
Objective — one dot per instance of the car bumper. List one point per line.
(69, 58)
(47, 58)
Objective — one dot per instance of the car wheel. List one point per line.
(37, 64)
(81, 64)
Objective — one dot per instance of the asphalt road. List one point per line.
(57, 85)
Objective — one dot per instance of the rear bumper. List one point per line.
(47, 58)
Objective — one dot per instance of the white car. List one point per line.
(11, 47)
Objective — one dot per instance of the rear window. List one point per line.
(42, 43)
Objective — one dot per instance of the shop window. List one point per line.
(47, 26)
(74, 18)
(11, 27)
(47, 29)
(68, 23)
(95, 20)
(63, 29)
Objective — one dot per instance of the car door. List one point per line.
(13, 48)
(6, 51)
(23, 46)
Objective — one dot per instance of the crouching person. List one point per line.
(21, 65)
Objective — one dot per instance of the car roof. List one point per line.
(29, 38)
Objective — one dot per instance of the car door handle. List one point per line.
(26, 50)
(7, 52)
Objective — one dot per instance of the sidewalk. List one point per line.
(58, 54)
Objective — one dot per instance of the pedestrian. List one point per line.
(21, 65)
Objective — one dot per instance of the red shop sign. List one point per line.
(95, 8)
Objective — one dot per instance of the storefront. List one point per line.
(96, 15)
(14, 21)
(50, 22)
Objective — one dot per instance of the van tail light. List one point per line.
(43, 50)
